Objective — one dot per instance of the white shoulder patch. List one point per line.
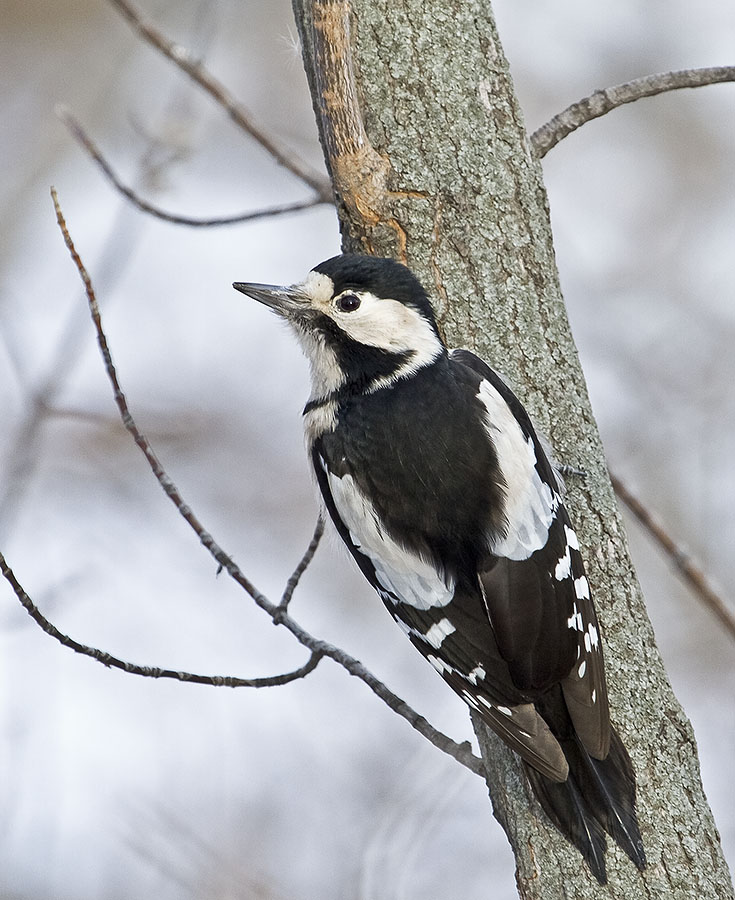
(411, 579)
(319, 420)
(530, 503)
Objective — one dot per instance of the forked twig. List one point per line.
(107, 659)
(80, 135)
(602, 102)
(306, 559)
(692, 574)
(195, 69)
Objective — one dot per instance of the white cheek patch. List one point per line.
(412, 579)
(394, 327)
(388, 324)
(530, 503)
(378, 322)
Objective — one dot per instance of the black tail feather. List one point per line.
(597, 797)
(613, 798)
(567, 808)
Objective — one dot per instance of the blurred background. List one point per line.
(113, 786)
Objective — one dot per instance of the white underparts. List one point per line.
(327, 376)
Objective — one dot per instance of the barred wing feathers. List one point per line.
(448, 625)
(540, 604)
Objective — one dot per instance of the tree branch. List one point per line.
(603, 101)
(306, 559)
(81, 136)
(461, 752)
(195, 69)
(107, 659)
(692, 574)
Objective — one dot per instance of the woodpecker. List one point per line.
(438, 484)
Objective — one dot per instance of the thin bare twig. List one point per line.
(80, 135)
(195, 69)
(461, 752)
(306, 559)
(107, 659)
(602, 102)
(694, 577)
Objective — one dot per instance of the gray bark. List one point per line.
(431, 163)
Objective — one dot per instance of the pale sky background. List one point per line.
(119, 787)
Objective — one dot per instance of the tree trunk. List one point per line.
(431, 164)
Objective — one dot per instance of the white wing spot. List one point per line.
(571, 538)
(564, 566)
(505, 711)
(575, 620)
(438, 631)
(439, 664)
(582, 668)
(582, 588)
(594, 695)
(471, 699)
(477, 672)
(594, 636)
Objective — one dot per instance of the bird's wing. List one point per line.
(534, 584)
(446, 622)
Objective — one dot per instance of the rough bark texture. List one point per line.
(431, 164)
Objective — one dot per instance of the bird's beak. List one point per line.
(286, 301)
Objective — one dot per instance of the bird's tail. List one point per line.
(597, 797)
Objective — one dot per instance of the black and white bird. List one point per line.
(436, 481)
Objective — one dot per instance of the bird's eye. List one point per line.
(348, 302)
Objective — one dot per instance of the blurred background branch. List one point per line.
(690, 571)
(192, 65)
(604, 101)
(81, 136)
(107, 659)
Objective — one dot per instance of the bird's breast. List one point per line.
(420, 455)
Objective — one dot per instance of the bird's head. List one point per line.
(363, 322)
